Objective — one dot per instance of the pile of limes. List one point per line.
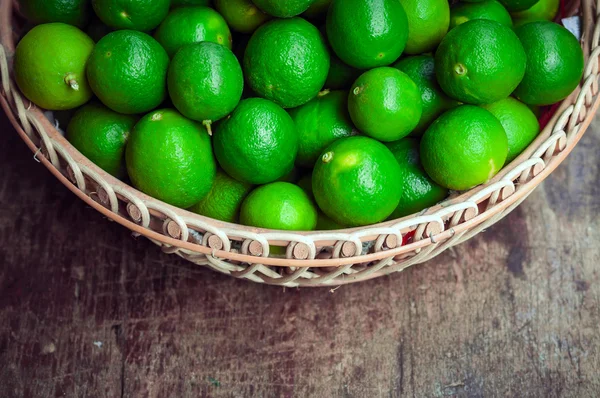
(298, 114)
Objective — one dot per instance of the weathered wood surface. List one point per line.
(88, 311)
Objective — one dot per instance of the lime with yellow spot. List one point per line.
(49, 66)
(464, 147)
(428, 22)
(543, 10)
(355, 181)
(241, 15)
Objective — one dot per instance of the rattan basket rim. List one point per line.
(7, 40)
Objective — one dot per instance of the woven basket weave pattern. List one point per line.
(319, 258)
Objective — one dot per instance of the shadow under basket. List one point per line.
(311, 258)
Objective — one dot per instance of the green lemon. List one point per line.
(279, 205)
(480, 62)
(418, 190)
(554, 63)
(421, 70)
(355, 182)
(170, 158)
(72, 12)
(487, 9)
(101, 135)
(258, 143)
(205, 81)
(241, 15)
(367, 34)
(317, 10)
(519, 122)
(319, 123)
(287, 62)
(187, 25)
(464, 147)
(128, 71)
(543, 10)
(224, 200)
(283, 8)
(385, 104)
(179, 3)
(141, 15)
(49, 66)
(428, 22)
(518, 5)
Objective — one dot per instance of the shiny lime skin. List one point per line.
(487, 9)
(283, 8)
(355, 182)
(101, 135)
(418, 190)
(421, 70)
(287, 62)
(385, 104)
(519, 122)
(258, 143)
(428, 22)
(279, 205)
(169, 157)
(224, 200)
(464, 147)
(72, 12)
(319, 123)
(205, 81)
(143, 15)
(241, 15)
(518, 5)
(50, 73)
(554, 63)
(187, 25)
(128, 72)
(367, 34)
(480, 62)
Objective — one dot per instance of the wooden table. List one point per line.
(86, 310)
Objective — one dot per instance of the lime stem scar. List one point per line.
(327, 157)
(208, 124)
(71, 81)
(460, 69)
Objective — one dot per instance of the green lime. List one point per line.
(97, 29)
(170, 158)
(419, 191)
(543, 10)
(72, 12)
(554, 63)
(519, 122)
(317, 10)
(279, 205)
(128, 71)
(141, 15)
(480, 62)
(428, 22)
(241, 15)
(287, 61)
(320, 122)
(224, 200)
(487, 9)
(366, 34)
(385, 104)
(258, 143)
(355, 182)
(205, 81)
(518, 5)
(50, 64)
(283, 8)
(421, 70)
(464, 147)
(187, 25)
(179, 3)
(325, 223)
(101, 135)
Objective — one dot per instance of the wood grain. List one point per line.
(86, 310)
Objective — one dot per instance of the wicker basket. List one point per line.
(312, 258)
